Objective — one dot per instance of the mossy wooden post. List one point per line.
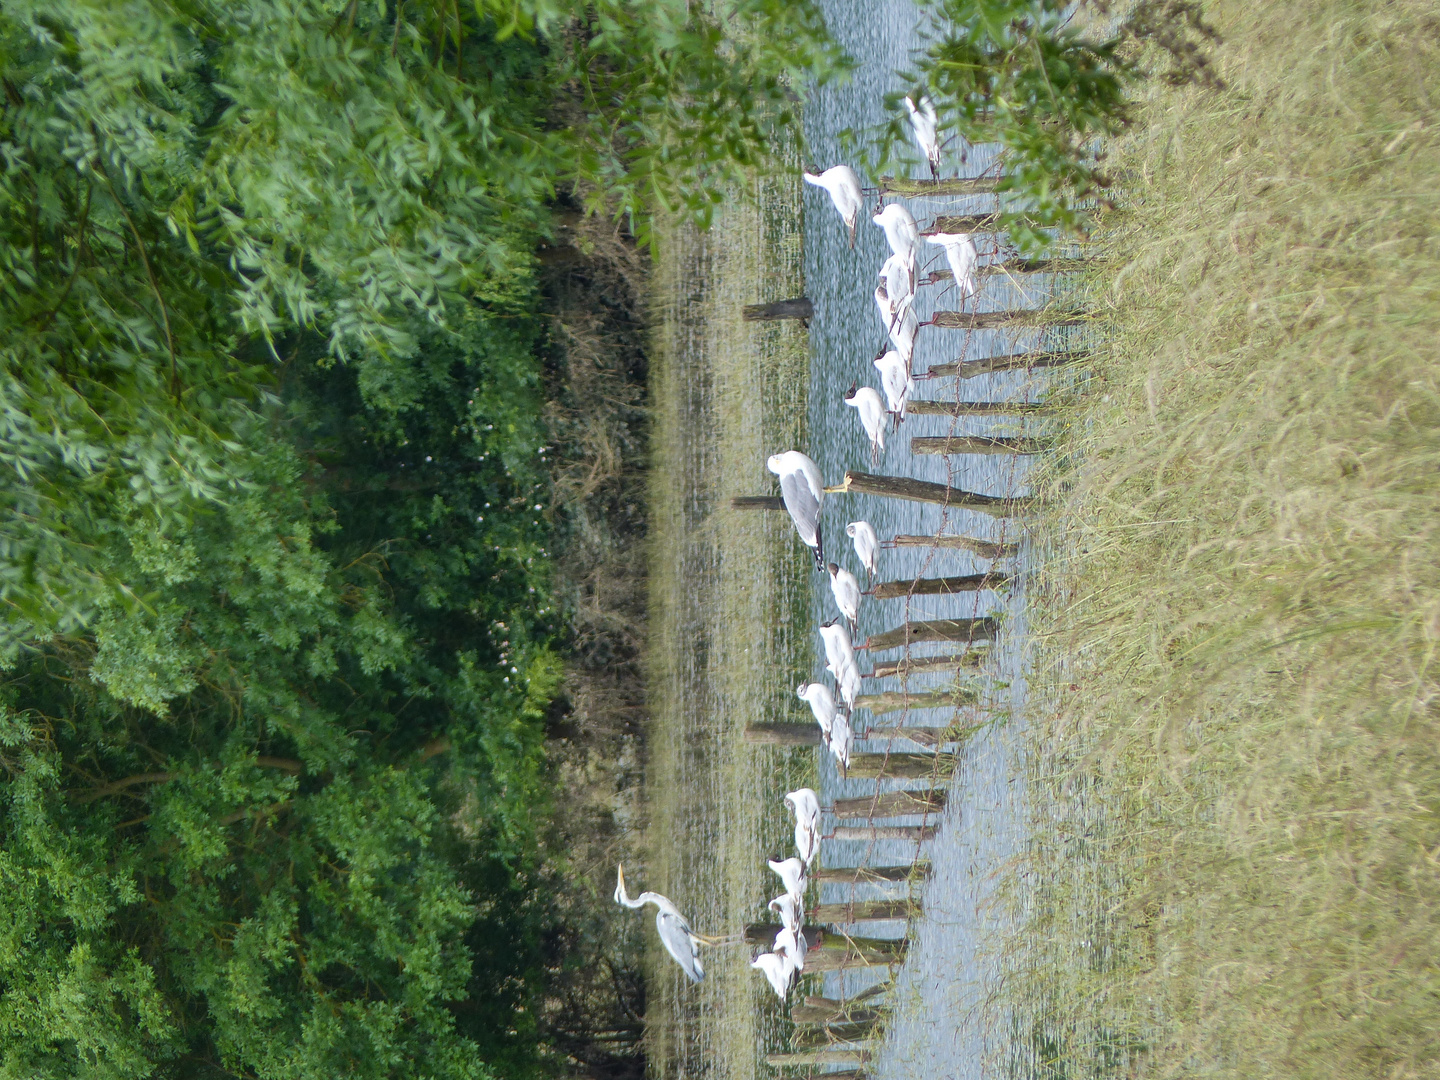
(903, 487)
(986, 549)
(911, 833)
(938, 586)
(863, 910)
(913, 633)
(829, 1011)
(968, 369)
(998, 320)
(1009, 267)
(911, 664)
(931, 737)
(900, 766)
(874, 875)
(834, 952)
(904, 185)
(976, 444)
(953, 223)
(799, 308)
(783, 734)
(891, 804)
(829, 1034)
(818, 1057)
(757, 502)
(930, 407)
(895, 700)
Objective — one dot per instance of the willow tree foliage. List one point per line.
(272, 524)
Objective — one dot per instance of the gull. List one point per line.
(923, 122)
(792, 914)
(960, 253)
(845, 192)
(846, 590)
(873, 417)
(778, 969)
(839, 652)
(867, 545)
(675, 934)
(791, 943)
(901, 326)
(898, 274)
(895, 377)
(849, 679)
(803, 489)
(806, 807)
(792, 876)
(821, 702)
(840, 739)
(901, 232)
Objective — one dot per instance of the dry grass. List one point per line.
(1242, 729)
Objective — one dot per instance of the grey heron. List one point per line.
(675, 934)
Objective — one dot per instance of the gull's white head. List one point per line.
(888, 215)
(773, 463)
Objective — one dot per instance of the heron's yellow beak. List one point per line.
(620, 875)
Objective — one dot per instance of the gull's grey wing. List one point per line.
(800, 501)
(675, 935)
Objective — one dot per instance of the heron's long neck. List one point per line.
(639, 902)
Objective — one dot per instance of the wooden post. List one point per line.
(891, 804)
(913, 833)
(900, 766)
(861, 910)
(799, 308)
(953, 223)
(783, 734)
(986, 549)
(902, 487)
(872, 875)
(938, 586)
(829, 1011)
(895, 700)
(829, 1034)
(911, 664)
(994, 320)
(932, 737)
(757, 502)
(934, 630)
(976, 444)
(1020, 266)
(930, 407)
(833, 952)
(818, 1057)
(968, 369)
(904, 185)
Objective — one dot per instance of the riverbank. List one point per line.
(1239, 625)
(729, 631)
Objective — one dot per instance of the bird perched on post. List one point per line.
(901, 232)
(846, 591)
(923, 124)
(803, 490)
(902, 326)
(898, 274)
(960, 253)
(839, 651)
(806, 807)
(867, 546)
(821, 702)
(845, 192)
(873, 417)
(895, 377)
(841, 736)
(778, 970)
(792, 875)
(791, 913)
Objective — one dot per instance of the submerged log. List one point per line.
(757, 502)
(799, 308)
(784, 734)
(819, 1057)
(904, 185)
(900, 766)
(938, 586)
(986, 549)
(930, 407)
(968, 369)
(976, 444)
(912, 633)
(994, 320)
(913, 833)
(891, 804)
(911, 664)
(874, 875)
(903, 487)
(895, 700)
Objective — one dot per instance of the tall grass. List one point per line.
(1240, 738)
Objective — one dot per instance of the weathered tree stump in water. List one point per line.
(862, 910)
(799, 308)
(819, 1057)
(895, 700)
(859, 875)
(1019, 266)
(934, 630)
(891, 804)
(976, 444)
(757, 502)
(994, 320)
(938, 586)
(932, 737)
(911, 664)
(904, 185)
(966, 223)
(784, 734)
(931, 407)
(828, 1034)
(829, 1011)
(968, 369)
(986, 549)
(903, 487)
(900, 766)
(912, 833)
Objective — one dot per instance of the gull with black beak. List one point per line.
(803, 490)
(846, 591)
(897, 381)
